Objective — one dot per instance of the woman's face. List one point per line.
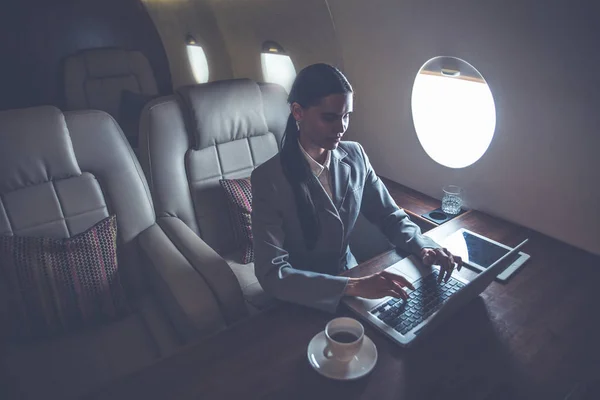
(324, 124)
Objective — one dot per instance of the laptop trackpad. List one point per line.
(411, 268)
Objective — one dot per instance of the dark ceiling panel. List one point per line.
(36, 36)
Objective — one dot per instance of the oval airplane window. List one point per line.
(197, 59)
(453, 111)
(277, 66)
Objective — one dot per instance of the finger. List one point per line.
(393, 294)
(450, 266)
(448, 262)
(398, 293)
(459, 262)
(391, 286)
(390, 293)
(445, 272)
(398, 288)
(408, 284)
(395, 287)
(449, 274)
(442, 267)
(387, 283)
(397, 279)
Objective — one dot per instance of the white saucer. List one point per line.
(362, 363)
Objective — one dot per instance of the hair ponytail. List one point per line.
(311, 85)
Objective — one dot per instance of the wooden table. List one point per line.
(536, 337)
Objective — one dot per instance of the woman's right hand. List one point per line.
(378, 285)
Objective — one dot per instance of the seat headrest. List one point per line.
(35, 147)
(223, 111)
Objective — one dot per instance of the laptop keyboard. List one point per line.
(422, 302)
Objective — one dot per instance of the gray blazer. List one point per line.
(285, 268)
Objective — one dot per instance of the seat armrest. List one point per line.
(186, 295)
(208, 263)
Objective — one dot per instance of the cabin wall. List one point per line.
(303, 28)
(38, 34)
(175, 19)
(542, 169)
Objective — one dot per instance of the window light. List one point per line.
(197, 60)
(277, 66)
(453, 112)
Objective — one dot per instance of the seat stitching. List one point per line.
(62, 219)
(251, 151)
(201, 180)
(10, 223)
(60, 207)
(216, 146)
(87, 212)
(150, 170)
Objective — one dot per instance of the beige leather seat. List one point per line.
(96, 78)
(59, 175)
(188, 143)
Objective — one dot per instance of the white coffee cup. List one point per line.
(344, 338)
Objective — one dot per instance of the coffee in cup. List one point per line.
(344, 338)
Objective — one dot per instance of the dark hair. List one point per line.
(311, 85)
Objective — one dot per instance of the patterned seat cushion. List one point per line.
(239, 195)
(59, 285)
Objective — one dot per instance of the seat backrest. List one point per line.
(95, 78)
(62, 173)
(209, 132)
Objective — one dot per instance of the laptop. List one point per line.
(430, 303)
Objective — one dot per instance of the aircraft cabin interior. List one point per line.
(316, 199)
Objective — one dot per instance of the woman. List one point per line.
(306, 200)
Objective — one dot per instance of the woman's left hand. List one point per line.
(444, 259)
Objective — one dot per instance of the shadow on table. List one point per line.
(464, 358)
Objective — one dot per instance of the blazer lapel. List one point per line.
(333, 232)
(340, 176)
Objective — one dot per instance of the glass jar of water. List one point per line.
(452, 200)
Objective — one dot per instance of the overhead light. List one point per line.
(190, 40)
(272, 47)
(450, 72)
